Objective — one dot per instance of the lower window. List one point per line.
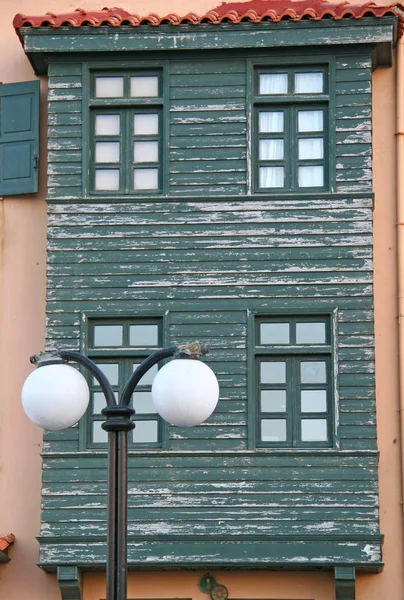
(118, 347)
(293, 382)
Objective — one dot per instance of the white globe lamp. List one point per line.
(185, 392)
(55, 396)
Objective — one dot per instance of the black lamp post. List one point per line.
(57, 397)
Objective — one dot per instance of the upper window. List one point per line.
(290, 125)
(118, 347)
(293, 381)
(126, 132)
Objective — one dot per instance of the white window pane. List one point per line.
(144, 87)
(142, 403)
(313, 400)
(107, 179)
(310, 333)
(146, 151)
(314, 430)
(148, 377)
(273, 400)
(143, 335)
(311, 148)
(99, 435)
(271, 150)
(108, 335)
(313, 372)
(107, 125)
(310, 120)
(271, 122)
(145, 431)
(308, 83)
(107, 152)
(311, 176)
(273, 430)
(110, 370)
(145, 179)
(271, 177)
(273, 372)
(274, 333)
(273, 83)
(99, 402)
(109, 87)
(146, 124)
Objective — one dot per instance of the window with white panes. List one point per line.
(290, 129)
(118, 347)
(126, 133)
(293, 382)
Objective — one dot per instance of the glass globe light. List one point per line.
(185, 392)
(55, 396)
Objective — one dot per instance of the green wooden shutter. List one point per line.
(19, 135)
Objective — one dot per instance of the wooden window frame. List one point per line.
(292, 354)
(290, 104)
(126, 107)
(124, 356)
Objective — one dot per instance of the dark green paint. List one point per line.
(19, 138)
(206, 255)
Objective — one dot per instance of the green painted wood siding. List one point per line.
(208, 255)
(208, 127)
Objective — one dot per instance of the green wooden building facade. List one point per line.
(214, 182)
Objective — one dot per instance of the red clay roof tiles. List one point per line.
(254, 11)
(6, 540)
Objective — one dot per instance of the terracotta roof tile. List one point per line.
(254, 11)
(6, 540)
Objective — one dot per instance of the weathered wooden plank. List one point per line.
(208, 127)
(226, 517)
(65, 106)
(66, 156)
(104, 308)
(58, 168)
(354, 393)
(196, 204)
(65, 118)
(199, 78)
(220, 91)
(64, 94)
(281, 492)
(220, 66)
(209, 228)
(209, 214)
(69, 131)
(252, 473)
(218, 528)
(214, 167)
(74, 258)
(64, 69)
(195, 154)
(198, 143)
(229, 499)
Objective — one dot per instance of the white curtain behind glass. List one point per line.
(311, 148)
(271, 122)
(310, 120)
(311, 176)
(273, 83)
(271, 177)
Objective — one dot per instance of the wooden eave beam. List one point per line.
(43, 43)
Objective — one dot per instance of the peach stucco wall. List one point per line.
(22, 328)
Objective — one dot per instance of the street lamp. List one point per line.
(184, 392)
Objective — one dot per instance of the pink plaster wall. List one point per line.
(22, 328)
